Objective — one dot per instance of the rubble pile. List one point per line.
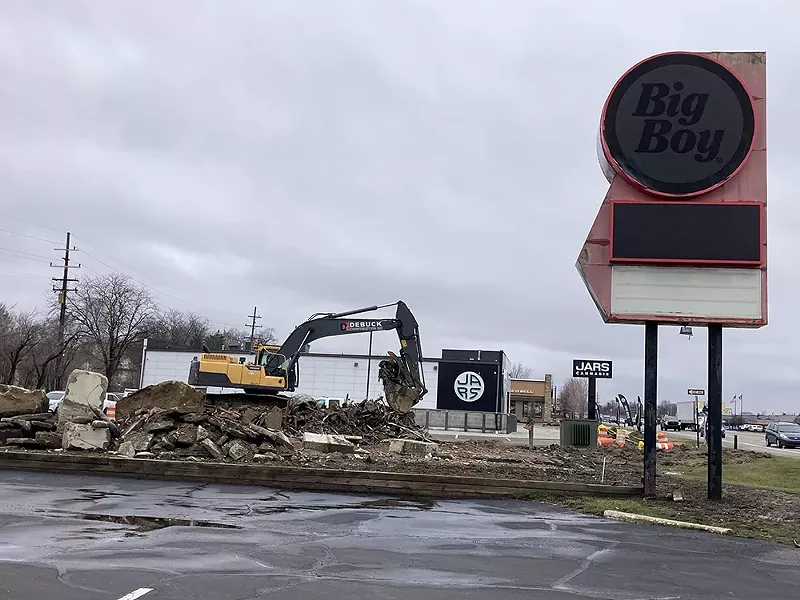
(370, 420)
(213, 433)
(173, 421)
(79, 423)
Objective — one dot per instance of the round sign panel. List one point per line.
(469, 386)
(678, 125)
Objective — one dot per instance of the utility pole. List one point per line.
(62, 291)
(252, 326)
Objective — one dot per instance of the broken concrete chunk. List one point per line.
(98, 424)
(273, 418)
(415, 447)
(212, 449)
(50, 439)
(240, 451)
(185, 435)
(278, 438)
(175, 397)
(167, 455)
(43, 425)
(30, 417)
(249, 415)
(31, 443)
(202, 433)
(327, 443)
(85, 437)
(144, 455)
(127, 450)
(194, 418)
(141, 441)
(19, 401)
(84, 397)
(160, 425)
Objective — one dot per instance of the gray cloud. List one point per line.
(312, 156)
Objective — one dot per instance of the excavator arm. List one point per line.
(402, 377)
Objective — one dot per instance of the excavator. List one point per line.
(275, 368)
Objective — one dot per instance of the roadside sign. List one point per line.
(696, 392)
(682, 229)
(592, 368)
(681, 235)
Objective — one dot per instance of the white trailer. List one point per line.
(686, 414)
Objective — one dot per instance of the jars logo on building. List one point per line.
(678, 125)
(469, 386)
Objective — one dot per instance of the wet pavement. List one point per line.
(85, 538)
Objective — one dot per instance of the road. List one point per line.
(748, 440)
(61, 537)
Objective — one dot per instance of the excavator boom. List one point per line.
(276, 369)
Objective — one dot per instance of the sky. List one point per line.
(322, 156)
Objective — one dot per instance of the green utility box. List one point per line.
(578, 432)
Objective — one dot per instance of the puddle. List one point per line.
(144, 524)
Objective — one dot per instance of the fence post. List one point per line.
(446, 419)
(483, 423)
(466, 416)
(427, 418)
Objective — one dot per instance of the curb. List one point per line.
(634, 518)
(300, 478)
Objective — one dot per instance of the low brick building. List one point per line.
(533, 397)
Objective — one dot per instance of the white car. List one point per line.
(55, 399)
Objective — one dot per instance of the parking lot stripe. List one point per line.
(136, 594)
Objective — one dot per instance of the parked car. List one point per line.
(784, 435)
(670, 422)
(55, 398)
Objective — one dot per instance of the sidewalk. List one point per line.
(542, 435)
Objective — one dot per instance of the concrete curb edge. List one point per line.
(300, 478)
(635, 518)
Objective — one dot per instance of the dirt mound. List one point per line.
(167, 395)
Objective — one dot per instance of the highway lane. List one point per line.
(100, 538)
(748, 440)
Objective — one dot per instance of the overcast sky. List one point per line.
(315, 156)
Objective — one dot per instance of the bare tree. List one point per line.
(223, 340)
(110, 312)
(519, 370)
(20, 335)
(179, 328)
(574, 397)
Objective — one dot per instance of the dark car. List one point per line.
(670, 422)
(784, 435)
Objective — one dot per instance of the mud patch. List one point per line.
(145, 524)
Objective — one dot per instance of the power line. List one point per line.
(25, 255)
(114, 269)
(180, 291)
(25, 235)
(18, 274)
(154, 289)
(30, 223)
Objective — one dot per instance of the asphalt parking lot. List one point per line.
(85, 538)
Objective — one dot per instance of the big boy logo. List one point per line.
(678, 125)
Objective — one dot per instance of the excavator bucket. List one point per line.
(401, 390)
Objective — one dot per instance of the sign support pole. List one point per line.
(650, 402)
(592, 407)
(714, 417)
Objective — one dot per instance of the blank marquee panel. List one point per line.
(686, 232)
